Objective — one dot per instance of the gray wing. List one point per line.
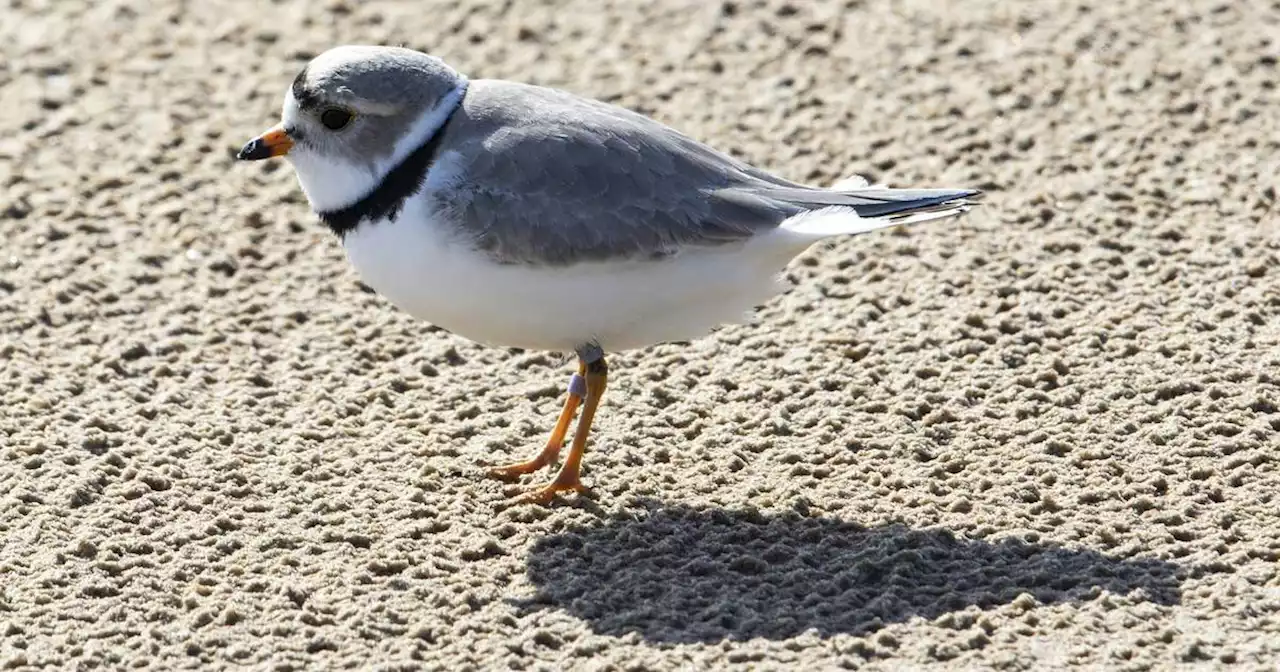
(546, 177)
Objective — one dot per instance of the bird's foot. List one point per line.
(511, 472)
(545, 494)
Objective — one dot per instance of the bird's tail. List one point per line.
(853, 206)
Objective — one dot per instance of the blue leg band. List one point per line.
(578, 386)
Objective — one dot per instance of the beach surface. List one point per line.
(1041, 436)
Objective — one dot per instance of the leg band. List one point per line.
(578, 386)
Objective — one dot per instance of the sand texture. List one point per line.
(1044, 436)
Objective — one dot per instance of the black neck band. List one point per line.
(387, 199)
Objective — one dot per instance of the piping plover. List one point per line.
(523, 216)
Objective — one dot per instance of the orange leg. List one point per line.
(554, 443)
(569, 477)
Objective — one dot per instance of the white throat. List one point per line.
(332, 184)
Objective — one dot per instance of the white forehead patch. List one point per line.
(289, 111)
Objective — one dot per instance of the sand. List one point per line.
(1040, 437)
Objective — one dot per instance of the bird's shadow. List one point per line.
(676, 574)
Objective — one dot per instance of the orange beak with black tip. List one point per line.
(275, 142)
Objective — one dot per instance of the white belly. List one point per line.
(617, 305)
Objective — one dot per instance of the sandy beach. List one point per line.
(1043, 436)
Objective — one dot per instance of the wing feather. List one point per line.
(546, 177)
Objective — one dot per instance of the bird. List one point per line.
(524, 216)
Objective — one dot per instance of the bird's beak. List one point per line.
(275, 142)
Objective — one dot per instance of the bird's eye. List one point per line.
(335, 119)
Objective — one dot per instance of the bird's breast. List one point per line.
(418, 263)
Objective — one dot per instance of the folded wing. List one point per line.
(546, 177)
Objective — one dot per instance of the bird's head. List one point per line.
(352, 113)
